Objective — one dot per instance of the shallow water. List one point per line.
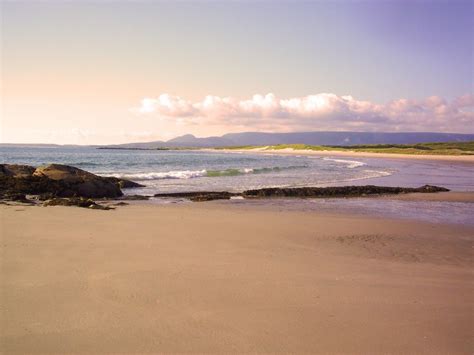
(428, 211)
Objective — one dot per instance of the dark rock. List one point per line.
(200, 196)
(134, 197)
(337, 191)
(123, 183)
(303, 192)
(121, 204)
(16, 170)
(63, 173)
(75, 201)
(431, 188)
(45, 196)
(58, 181)
(17, 197)
(78, 182)
(211, 197)
(28, 185)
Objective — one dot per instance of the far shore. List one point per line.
(468, 159)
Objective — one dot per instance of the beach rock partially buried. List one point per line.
(16, 197)
(431, 188)
(123, 183)
(134, 198)
(16, 170)
(200, 196)
(75, 201)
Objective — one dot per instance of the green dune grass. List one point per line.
(448, 148)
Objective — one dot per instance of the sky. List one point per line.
(102, 72)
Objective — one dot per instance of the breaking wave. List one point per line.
(351, 164)
(189, 174)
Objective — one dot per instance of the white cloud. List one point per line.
(317, 112)
(168, 105)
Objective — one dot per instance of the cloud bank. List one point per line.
(317, 112)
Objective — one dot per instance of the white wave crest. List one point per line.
(189, 174)
(351, 164)
(176, 174)
(376, 173)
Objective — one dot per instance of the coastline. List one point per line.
(465, 159)
(182, 277)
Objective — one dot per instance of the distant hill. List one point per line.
(192, 141)
(313, 138)
(344, 138)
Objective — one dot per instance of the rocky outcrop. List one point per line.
(305, 192)
(72, 174)
(56, 180)
(77, 182)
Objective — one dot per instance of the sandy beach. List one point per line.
(214, 278)
(467, 159)
(236, 177)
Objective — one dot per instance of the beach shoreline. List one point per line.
(462, 159)
(200, 277)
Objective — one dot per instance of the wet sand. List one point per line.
(213, 279)
(451, 196)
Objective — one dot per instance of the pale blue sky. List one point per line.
(72, 64)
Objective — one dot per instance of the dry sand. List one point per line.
(466, 159)
(204, 278)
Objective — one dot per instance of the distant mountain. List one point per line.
(141, 145)
(344, 138)
(191, 141)
(314, 138)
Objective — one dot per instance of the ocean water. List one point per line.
(177, 171)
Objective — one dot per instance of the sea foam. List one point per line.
(189, 174)
(351, 164)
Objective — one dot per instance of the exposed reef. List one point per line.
(338, 191)
(305, 192)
